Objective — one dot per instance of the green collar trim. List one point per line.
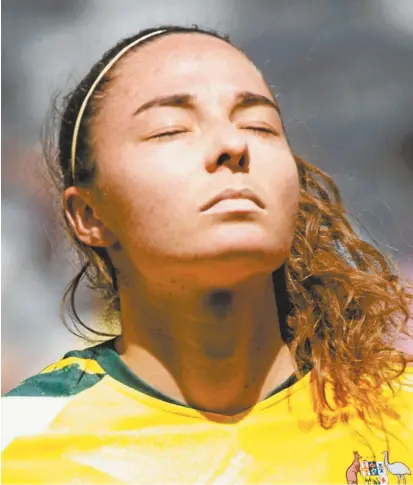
(109, 360)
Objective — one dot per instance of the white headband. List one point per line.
(90, 92)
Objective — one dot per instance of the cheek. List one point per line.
(144, 200)
(139, 206)
(285, 209)
(280, 175)
(289, 189)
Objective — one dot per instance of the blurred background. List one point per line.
(343, 74)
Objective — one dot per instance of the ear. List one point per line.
(84, 219)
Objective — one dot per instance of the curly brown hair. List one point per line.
(348, 303)
(341, 302)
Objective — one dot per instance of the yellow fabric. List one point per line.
(87, 365)
(111, 433)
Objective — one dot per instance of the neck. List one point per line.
(217, 349)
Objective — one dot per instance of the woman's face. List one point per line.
(184, 119)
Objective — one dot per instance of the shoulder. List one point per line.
(76, 371)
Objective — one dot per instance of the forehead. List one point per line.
(188, 62)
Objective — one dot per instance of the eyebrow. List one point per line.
(244, 99)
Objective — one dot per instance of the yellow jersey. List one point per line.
(87, 419)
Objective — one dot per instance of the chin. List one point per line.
(233, 273)
(254, 243)
(227, 266)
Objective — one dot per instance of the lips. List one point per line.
(243, 193)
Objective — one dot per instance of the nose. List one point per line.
(229, 147)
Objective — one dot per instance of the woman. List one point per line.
(255, 340)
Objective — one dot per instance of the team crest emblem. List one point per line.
(375, 472)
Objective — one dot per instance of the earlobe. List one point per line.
(85, 221)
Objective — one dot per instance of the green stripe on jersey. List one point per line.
(67, 381)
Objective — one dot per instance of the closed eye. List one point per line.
(167, 134)
(261, 130)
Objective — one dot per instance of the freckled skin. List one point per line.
(198, 310)
(153, 189)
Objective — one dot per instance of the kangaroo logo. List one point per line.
(375, 472)
(353, 469)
